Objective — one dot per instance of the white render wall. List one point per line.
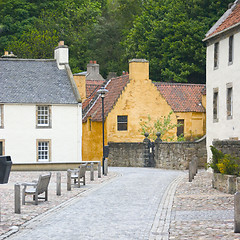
(20, 133)
(223, 129)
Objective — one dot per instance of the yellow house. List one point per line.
(132, 97)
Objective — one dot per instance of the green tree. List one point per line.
(34, 44)
(169, 34)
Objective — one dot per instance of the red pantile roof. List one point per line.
(182, 97)
(115, 87)
(229, 19)
(91, 86)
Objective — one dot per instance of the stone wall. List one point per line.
(126, 154)
(177, 155)
(174, 155)
(228, 147)
(226, 183)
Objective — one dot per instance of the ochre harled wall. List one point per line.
(80, 81)
(139, 99)
(194, 124)
(92, 147)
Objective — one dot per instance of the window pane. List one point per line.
(216, 50)
(43, 151)
(122, 123)
(122, 119)
(180, 129)
(230, 56)
(215, 105)
(229, 102)
(43, 116)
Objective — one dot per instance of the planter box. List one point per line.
(226, 183)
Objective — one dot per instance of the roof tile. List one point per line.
(182, 97)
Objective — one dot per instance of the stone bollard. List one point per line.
(106, 167)
(68, 180)
(237, 212)
(99, 170)
(190, 171)
(58, 190)
(92, 172)
(17, 198)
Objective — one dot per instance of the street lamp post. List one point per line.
(102, 91)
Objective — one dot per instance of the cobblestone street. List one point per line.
(130, 203)
(10, 220)
(201, 212)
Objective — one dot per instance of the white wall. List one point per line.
(20, 133)
(223, 129)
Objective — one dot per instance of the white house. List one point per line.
(40, 110)
(223, 77)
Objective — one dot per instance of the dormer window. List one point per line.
(216, 55)
(230, 50)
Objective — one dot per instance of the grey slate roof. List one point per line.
(34, 81)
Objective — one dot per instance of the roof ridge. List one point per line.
(25, 59)
(220, 21)
(183, 84)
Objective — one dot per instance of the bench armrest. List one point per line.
(30, 184)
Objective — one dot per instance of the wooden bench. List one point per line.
(89, 164)
(79, 173)
(36, 188)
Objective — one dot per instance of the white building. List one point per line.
(223, 77)
(40, 110)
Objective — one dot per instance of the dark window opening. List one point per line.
(216, 53)
(230, 55)
(229, 102)
(215, 105)
(180, 129)
(122, 123)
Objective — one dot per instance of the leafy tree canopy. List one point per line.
(168, 33)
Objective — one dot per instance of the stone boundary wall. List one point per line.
(177, 155)
(173, 155)
(228, 147)
(226, 183)
(126, 154)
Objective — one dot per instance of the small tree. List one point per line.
(163, 125)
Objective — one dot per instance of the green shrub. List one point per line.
(228, 165)
(223, 163)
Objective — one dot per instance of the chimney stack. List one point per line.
(7, 55)
(93, 71)
(138, 69)
(61, 55)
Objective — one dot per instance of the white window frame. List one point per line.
(43, 150)
(1, 116)
(3, 146)
(43, 116)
